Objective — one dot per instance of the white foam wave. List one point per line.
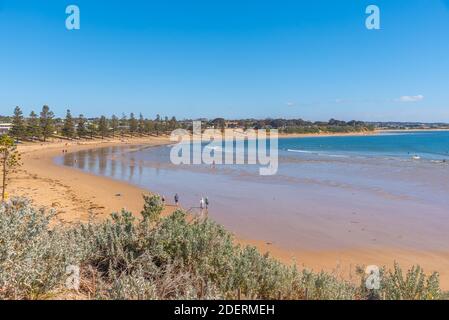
(299, 151)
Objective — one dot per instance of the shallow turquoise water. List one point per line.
(329, 192)
(427, 145)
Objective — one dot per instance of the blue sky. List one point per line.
(236, 59)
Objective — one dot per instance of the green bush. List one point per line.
(163, 258)
(152, 208)
(33, 257)
(414, 286)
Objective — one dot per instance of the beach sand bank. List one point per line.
(78, 196)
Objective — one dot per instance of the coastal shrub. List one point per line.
(173, 257)
(33, 257)
(152, 208)
(415, 285)
(202, 246)
(137, 260)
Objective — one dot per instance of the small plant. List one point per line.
(32, 258)
(152, 208)
(9, 159)
(414, 286)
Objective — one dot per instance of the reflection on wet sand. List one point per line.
(313, 203)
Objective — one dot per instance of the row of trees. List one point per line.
(46, 125)
(289, 124)
(35, 126)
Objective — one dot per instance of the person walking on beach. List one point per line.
(176, 199)
(202, 204)
(206, 202)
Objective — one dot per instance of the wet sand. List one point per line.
(75, 196)
(78, 196)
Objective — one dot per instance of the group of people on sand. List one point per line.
(65, 150)
(176, 198)
(204, 202)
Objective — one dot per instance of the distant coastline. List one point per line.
(355, 134)
(412, 130)
(328, 134)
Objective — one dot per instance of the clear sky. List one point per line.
(312, 59)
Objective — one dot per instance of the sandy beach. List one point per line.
(74, 195)
(78, 196)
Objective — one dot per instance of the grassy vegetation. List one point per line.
(315, 129)
(45, 126)
(164, 258)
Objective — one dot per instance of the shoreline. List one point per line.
(73, 193)
(79, 196)
(356, 134)
(413, 130)
(323, 135)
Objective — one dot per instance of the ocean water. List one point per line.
(329, 192)
(431, 145)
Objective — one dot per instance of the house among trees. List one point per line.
(5, 128)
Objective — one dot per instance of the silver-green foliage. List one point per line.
(163, 258)
(33, 257)
(152, 208)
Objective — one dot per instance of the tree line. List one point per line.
(45, 125)
(295, 125)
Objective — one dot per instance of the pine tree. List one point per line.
(33, 129)
(9, 160)
(132, 124)
(103, 127)
(114, 124)
(18, 124)
(46, 122)
(141, 125)
(157, 124)
(81, 129)
(69, 128)
(149, 126)
(173, 123)
(123, 124)
(92, 127)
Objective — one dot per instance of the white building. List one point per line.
(5, 127)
